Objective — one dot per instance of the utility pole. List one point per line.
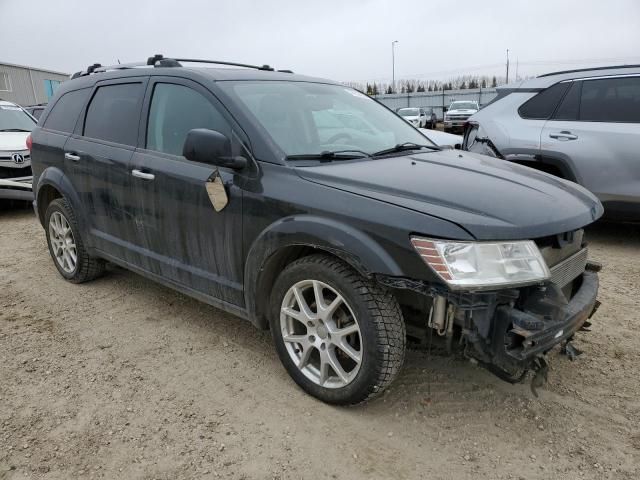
(507, 65)
(517, 69)
(393, 66)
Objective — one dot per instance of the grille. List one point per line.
(568, 269)
(9, 172)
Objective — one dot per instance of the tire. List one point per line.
(366, 307)
(59, 218)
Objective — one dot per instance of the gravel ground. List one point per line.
(123, 378)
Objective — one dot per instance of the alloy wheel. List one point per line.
(321, 334)
(63, 245)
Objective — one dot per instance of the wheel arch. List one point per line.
(52, 184)
(295, 237)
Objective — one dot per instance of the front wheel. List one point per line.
(340, 337)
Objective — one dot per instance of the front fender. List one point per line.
(353, 246)
(54, 177)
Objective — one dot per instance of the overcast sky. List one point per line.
(346, 41)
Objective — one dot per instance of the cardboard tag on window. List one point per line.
(216, 191)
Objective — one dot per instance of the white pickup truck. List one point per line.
(458, 113)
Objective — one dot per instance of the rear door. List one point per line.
(100, 152)
(183, 238)
(596, 130)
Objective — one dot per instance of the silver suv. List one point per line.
(581, 125)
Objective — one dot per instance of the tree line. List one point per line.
(410, 86)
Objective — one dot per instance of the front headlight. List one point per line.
(483, 265)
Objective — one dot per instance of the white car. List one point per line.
(458, 114)
(443, 139)
(415, 116)
(15, 159)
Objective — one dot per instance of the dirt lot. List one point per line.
(122, 378)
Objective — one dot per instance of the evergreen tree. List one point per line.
(494, 82)
(374, 89)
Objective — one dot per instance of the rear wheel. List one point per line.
(66, 247)
(340, 336)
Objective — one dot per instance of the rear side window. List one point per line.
(542, 106)
(611, 100)
(569, 109)
(114, 112)
(176, 109)
(64, 115)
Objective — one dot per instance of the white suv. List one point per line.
(581, 125)
(15, 160)
(458, 113)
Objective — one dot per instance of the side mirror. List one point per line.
(209, 146)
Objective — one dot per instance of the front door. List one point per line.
(185, 239)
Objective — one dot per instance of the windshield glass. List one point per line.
(463, 106)
(311, 118)
(14, 118)
(408, 112)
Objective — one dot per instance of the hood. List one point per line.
(490, 198)
(442, 139)
(13, 141)
(411, 117)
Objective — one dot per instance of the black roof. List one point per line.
(160, 65)
(588, 70)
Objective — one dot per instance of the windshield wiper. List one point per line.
(402, 147)
(14, 130)
(331, 155)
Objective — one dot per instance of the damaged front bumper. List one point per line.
(16, 188)
(527, 343)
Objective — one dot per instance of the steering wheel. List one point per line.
(339, 136)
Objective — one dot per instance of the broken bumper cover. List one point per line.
(538, 341)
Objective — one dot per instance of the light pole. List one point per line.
(393, 66)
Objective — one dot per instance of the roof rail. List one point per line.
(219, 62)
(577, 70)
(159, 60)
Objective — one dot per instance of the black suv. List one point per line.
(243, 188)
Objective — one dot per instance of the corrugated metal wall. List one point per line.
(27, 85)
(436, 100)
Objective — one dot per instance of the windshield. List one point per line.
(306, 118)
(463, 106)
(408, 112)
(13, 118)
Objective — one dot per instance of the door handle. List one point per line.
(564, 135)
(143, 175)
(71, 156)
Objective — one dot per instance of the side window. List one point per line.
(570, 106)
(176, 109)
(114, 113)
(541, 106)
(611, 100)
(64, 115)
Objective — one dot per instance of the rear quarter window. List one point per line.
(542, 106)
(114, 113)
(65, 112)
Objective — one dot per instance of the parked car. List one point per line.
(457, 115)
(36, 110)
(219, 183)
(580, 125)
(443, 139)
(15, 159)
(432, 118)
(415, 116)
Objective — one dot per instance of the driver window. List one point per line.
(176, 109)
